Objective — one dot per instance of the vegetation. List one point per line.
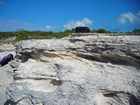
(24, 34)
(136, 30)
(101, 30)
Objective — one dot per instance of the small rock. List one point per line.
(14, 64)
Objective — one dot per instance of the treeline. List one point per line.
(24, 34)
(101, 30)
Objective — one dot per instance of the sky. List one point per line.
(59, 15)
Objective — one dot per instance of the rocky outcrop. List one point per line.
(6, 71)
(78, 70)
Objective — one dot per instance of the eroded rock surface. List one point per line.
(6, 71)
(81, 70)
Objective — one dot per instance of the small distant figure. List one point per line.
(6, 59)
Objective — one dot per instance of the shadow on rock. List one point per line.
(9, 102)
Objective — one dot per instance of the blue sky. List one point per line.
(59, 15)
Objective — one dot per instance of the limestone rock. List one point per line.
(6, 72)
(14, 64)
(77, 70)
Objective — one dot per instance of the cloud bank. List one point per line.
(73, 24)
(129, 18)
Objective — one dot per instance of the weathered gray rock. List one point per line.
(6, 72)
(85, 70)
(5, 80)
(14, 64)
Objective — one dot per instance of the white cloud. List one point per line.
(73, 24)
(1, 2)
(129, 17)
(138, 14)
(48, 27)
